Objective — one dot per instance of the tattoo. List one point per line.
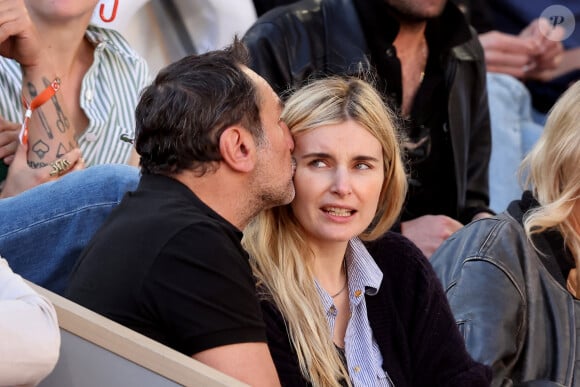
(37, 164)
(62, 122)
(61, 150)
(32, 90)
(40, 148)
(43, 121)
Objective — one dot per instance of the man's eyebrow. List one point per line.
(321, 155)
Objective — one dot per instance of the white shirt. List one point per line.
(29, 332)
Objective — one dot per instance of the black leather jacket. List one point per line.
(510, 302)
(321, 37)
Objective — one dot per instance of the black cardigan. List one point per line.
(411, 321)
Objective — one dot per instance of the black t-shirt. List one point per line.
(171, 268)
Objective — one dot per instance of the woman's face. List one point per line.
(338, 181)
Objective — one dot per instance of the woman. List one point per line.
(512, 280)
(313, 270)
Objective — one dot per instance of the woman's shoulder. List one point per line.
(393, 250)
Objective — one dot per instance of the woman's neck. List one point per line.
(329, 265)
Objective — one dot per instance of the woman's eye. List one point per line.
(362, 166)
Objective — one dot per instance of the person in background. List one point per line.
(512, 59)
(168, 261)
(512, 280)
(81, 82)
(164, 31)
(514, 17)
(334, 315)
(430, 68)
(29, 332)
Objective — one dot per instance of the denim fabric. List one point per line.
(513, 133)
(43, 230)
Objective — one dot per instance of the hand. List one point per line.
(429, 231)
(18, 37)
(21, 177)
(508, 54)
(8, 140)
(550, 51)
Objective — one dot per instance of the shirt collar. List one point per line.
(364, 276)
(550, 243)
(173, 188)
(94, 36)
(363, 272)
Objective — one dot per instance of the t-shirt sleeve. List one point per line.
(201, 289)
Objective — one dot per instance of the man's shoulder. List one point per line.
(471, 50)
(296, 10)
(307, 15)
(394, 249)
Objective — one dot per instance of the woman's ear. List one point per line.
(238, 148)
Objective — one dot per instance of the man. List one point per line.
(168, 261)
(512, 59)
(430, 67)
(516, 16)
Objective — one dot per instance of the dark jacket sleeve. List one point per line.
(488, 304)
(470, 127)
(424, 346)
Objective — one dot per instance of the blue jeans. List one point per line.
(44, 230)
(513, 133)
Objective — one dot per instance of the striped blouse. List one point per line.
(109, 94)
(362, 353)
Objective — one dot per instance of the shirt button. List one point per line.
(333, 309)
(89, 95)
(356, 369)
(357, 293)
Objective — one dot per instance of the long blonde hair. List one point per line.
(553, 172)
(280, 257)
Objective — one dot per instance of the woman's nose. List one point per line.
(341, 182)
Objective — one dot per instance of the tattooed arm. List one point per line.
(50, 134)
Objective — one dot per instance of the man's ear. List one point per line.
(238, 148)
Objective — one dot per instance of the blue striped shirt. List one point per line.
(109, 94)
(363, 356)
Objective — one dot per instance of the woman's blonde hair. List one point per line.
(552, 171)
(281, 259)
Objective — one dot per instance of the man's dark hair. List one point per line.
(182, 114)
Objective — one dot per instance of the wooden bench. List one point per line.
(97, 352)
